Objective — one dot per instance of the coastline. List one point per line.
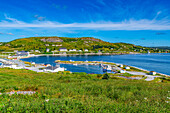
(85, 54)
(145, 70)
(99, 55)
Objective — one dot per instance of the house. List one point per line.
(15, 51)
(46, 44)
(122, 71)
(152, 73)
(23, 53)
(72, 50)
(31, 50)
(37, 51)
(62, 49)
(47, 50)
(58, 45)
(86, 50)
(55, 51)
(54, 69)
(121, 65)
(127, 67)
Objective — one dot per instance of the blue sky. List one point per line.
(141, 22)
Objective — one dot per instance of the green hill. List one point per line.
(54, 43)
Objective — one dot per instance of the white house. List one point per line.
(152, 73)
(127, 67)
(47, 45)
(122, 71)
(72, 50)
(62, 49)
(37, 51)
(86, 50)
(23, 53)
(58, 45)
(47, 50)
(15, 51)
(121, 65)
(31, 50)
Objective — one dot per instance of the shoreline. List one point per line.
(99, 55)
(145, 70)
(86, 54)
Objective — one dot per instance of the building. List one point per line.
(152, 73)
(62, 49)
(122, 71)
(127, 67)
(47, 50)
(15, 51)
(23, 53)
(121, 65)
(47, 45)
(37, 51)
(54, 69)
(58, 45)
(86, 50)
(72, 50)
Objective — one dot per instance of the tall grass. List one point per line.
(79, 92)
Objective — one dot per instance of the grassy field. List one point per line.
(79, 92)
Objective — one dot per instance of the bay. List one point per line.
(152, 62)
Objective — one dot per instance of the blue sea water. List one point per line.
(152, 62)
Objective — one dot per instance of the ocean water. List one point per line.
(152, 62)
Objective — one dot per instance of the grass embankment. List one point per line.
(79, 92)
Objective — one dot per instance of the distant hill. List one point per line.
(54, 43)
(162, 47)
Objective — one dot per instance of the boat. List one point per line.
(109, 67)
(75, 64)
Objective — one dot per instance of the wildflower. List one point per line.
(47, 100)
(168, 97)
(167, 101)
(145, 98)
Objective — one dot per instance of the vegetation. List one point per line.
(54, 43)
(80, 92)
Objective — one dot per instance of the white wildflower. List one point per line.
(47, 100)
(167, 101)
(168, 97)
(145, 98)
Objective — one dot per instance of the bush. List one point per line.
(105, 76)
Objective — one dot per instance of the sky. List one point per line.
(140, 22)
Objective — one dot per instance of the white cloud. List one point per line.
(10, 34)
(143, 24)
(6, 33)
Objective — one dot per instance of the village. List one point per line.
(14, 62)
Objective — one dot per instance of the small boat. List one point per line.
(75, 64)
(104, 70)
(109, 67)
